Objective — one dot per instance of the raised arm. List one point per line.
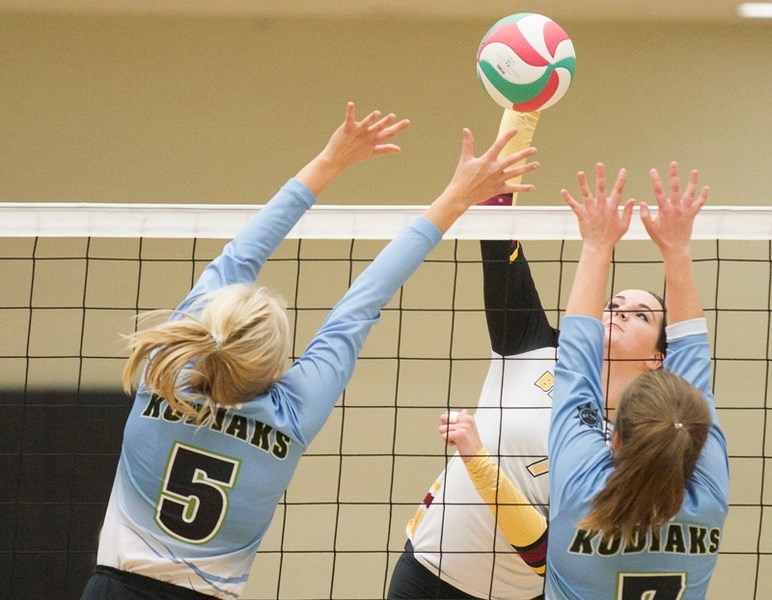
(671, 231)
(514, 313)
(602, 225)
(324, 369)
(352, 142)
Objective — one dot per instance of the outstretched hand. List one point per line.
(600, 221)
(671, 229)
(352, 142)
(477, 178)
(480, 177)
(355, 141)
(459, 429)
(602, 225)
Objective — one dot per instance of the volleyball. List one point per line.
(526, 62)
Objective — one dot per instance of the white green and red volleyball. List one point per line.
(526, 62)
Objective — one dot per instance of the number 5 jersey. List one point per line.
(190, 504)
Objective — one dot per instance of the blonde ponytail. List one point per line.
(232, 346)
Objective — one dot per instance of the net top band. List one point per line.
(223, 221)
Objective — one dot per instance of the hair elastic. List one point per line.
(678, 425)
(217, 341)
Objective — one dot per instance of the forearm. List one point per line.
(243, 257)
(318, 174)
(446, 209)
(588, 293)
(521, 523)
(683, 299)
(671, 231)
(326, 365)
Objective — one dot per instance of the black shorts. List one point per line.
(411, 580)
(107, 583)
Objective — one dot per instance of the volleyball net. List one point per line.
(75, 276)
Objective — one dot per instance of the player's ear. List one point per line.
(616, 441)
(655, 362)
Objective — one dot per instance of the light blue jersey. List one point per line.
(191, 504)
(583, 566)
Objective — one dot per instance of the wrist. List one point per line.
(598, 251)
(446, 209)
(677, 252)
(326, 162)
(481, 455)
(319, 173)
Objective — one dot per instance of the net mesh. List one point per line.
(76, 275)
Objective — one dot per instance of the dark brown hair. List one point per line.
(662, 339)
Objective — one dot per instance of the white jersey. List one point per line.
(454, 533)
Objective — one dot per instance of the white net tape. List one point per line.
(343, 222)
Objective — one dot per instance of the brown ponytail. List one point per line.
(663, 423)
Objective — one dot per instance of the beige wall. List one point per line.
(218, 109)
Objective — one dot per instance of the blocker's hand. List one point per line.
(600, 221)
(672, 227)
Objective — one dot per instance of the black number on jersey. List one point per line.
(651, 586)
(194, 496)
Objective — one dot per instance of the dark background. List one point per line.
(58, 454)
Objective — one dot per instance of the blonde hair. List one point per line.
(663, 422)
(231, 346)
